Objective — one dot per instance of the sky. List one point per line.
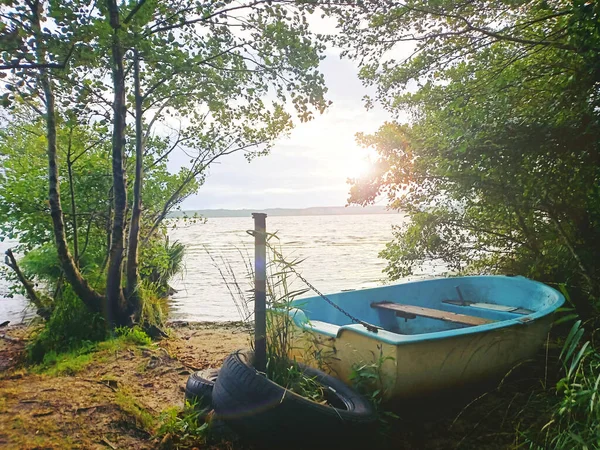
(309, 167)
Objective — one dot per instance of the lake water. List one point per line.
(339, 252)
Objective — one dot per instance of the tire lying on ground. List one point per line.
(261, 410)
(199, 388)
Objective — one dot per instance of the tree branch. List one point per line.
(11, 262)
(134, 11)
(204, 18)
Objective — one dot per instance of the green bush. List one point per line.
(575, 421)
(133, 335)
(70, 326)
(160, 260)
(154, 305)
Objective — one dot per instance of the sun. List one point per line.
(357, 167)
(344, 159)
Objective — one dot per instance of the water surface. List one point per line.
(338, 253)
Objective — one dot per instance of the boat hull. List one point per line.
(419, 365)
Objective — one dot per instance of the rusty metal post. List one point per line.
(260, 291)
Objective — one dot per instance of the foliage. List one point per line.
(575, 423)
(369, 379)
(182, 427)
(567, 416)
(70, 325)
(499, 168)
(24, 191)
(161, 261)
(202, 81)
(133, 335)
(74, 330)
(154, 307)
(281, 328)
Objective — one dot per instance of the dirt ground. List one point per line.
(106, 404)
(101, 406)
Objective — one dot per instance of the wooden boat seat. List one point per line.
(411, 312)
(490, 306)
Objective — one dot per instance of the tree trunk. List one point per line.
(116, 305)
(108, 228)
(73, 205)
(84, 291)
(136, 212)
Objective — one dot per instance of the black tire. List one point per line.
(265, 412)
(199, 388)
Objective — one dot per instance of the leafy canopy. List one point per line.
(499, 166)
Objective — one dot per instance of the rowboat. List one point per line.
(432, 336)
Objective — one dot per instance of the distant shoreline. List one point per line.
(314, 211)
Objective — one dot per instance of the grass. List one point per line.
(182, 428)
(280, 326)
(75, 361)
(131, 406)
(575, 421)
(369, 380)
(65, 364)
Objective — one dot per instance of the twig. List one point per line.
(9, 339)
(107, 442)
(87, 408)
(104, 383)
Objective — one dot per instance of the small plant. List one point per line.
(133, 335)
(161, 260)
(280, 328)
(182, 428)
(281, 368)
(369, 379)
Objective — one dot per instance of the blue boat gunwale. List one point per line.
(389, 337)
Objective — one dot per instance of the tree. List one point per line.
(500, 166)
(85, 157)
(207, 78)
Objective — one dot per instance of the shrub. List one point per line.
(133, 335)
(575, 422)
(159, 262)
(70, 325)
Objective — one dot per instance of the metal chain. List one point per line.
(367, 325)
